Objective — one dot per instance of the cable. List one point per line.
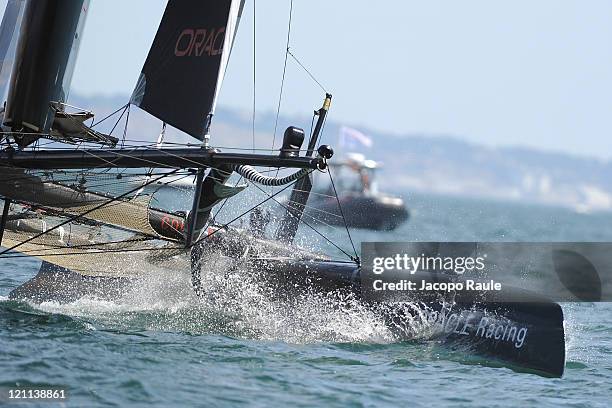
(2, 254)
(354, 259)
(108, 116)
(254, 71)
(118, 120)
(127, 120)
(307, 71)
(280, 96)
(343, 219)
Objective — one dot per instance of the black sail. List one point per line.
(9, 31)
(44, 60)
(185, 66)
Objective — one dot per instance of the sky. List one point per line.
(527, 73)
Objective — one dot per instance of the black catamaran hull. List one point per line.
(527, 336)
(54, 283)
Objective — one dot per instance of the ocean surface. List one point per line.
(163, 346)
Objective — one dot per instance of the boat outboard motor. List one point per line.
(44, 62)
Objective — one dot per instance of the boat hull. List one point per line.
(525, 336)
(382, 213)
(54, 283)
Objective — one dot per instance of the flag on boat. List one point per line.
(350, 138)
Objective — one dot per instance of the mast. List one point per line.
(9, 31)
(44, 60)
(301, 190)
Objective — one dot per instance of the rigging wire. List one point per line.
(108, 116)
(127, 120)
(270, 196)
(214, 217)
(343, 218)
(254, 70)
(307, 71)
(354, 259)
(199, 240)
(118, 120)
(280, 96)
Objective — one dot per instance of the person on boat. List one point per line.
(364, 177)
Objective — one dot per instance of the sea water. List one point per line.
(162, 345)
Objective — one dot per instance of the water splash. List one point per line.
(236, 303)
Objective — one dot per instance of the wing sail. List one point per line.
(9, 31)
(44, 59)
